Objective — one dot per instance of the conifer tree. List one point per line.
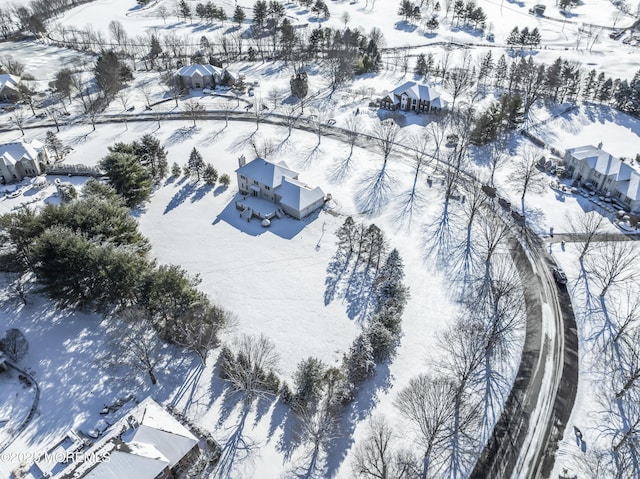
(196, 163)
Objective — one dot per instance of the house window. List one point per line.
(243, 177)
(597, 175)
(255, 182)
(617, 194)
(268, 188)
(627, 201)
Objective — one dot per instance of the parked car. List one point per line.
(559, 276)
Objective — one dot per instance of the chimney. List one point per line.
(600, 146)
(242, 161)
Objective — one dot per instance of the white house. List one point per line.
(22, 158)
(147, 443)
(203, 76)
(277, 183)
(9, 87)
(609, 175)
(412, 96)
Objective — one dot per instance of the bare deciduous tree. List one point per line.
(258, 356)
(375, 457)
(585, 228)
(527, 177)
(19, 118)
(194, 110)
(615, 264)
(386, 136)
(134, 342)
(353, 128)
(429, 403)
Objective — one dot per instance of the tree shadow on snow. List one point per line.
(374, 192)
(359, 410)
(181, 135)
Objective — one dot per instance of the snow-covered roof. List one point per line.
(631, 187)
(267, 172)
(8, 159)
(20, 149)
(597, 159)
(203, 70)
(418, 91)
(9, 81)
(122, 465)
(171, 446)
(297, 195)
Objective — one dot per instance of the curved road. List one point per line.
(538, 408)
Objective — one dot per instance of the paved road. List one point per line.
(539, 405)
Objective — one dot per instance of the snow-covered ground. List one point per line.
(273, 279)
(591, 413)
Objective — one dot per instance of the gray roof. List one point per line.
(172, 446)
(631, 187)
(9, 81)
(267, 172)
(418, 91)
(122, 465)
(21, 149)
(297, 195)
(203, 70)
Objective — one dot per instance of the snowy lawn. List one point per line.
(273, 279)
(16, 399)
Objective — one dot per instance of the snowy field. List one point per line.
(274, 279)
(560, 36)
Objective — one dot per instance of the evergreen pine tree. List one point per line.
(598, 85)
(589, 85)
(514, 37)
(210, 175)
(621, 94)
(176, 170)
(634, 95)
(523, 39)
(152, 155)
(501, 72)
(184, 9)
(421, 65)
(553, 79)
(486, 67)
(196, 163)
(604, 94)
(54, 145)
(128, 177)
(225, 180)
(238, 15)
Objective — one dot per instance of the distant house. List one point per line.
(22, 158)
(412, 96)
(148, 443)
(605, 173)
(279, 184)
(204, 76)
(9, 87)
